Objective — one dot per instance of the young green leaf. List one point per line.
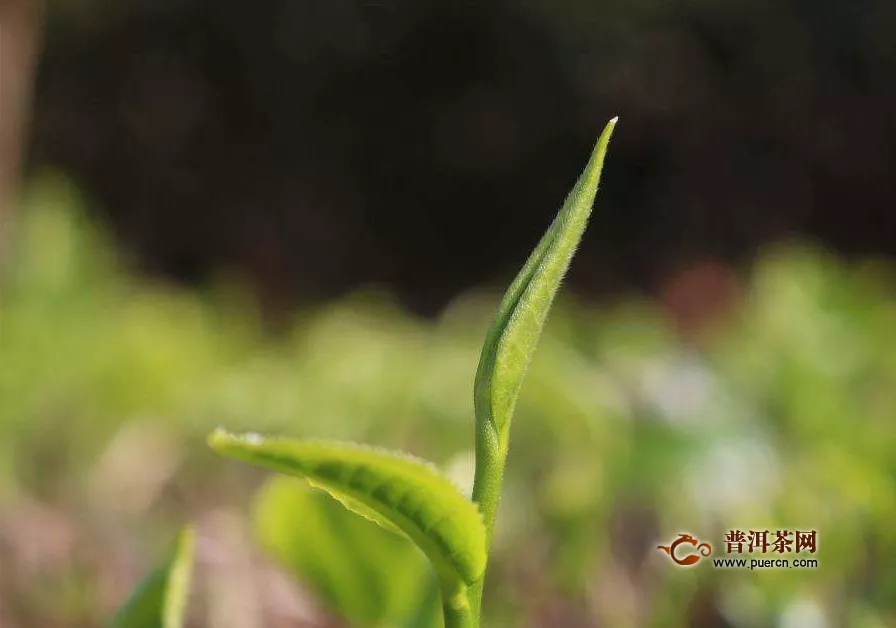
(514, 333)
(395, 490)
(160, 600)
(341, 557)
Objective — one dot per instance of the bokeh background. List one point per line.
(298, 217)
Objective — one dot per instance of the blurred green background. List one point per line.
(631, 428)
(299, 217)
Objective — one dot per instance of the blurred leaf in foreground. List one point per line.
(160, 600)
(342, 558)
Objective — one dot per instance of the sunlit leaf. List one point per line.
(514, 333)
(512, 338)
(393, 489)
(160, 600)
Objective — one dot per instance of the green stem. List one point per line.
(491, 456)
(457, 610)
(512, 338)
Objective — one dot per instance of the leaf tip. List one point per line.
(221, 440)
(218, 438)
(188, 535)
(607, 133)
(592, 173)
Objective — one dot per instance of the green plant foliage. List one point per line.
(515, 330)
(781, 416)
(341, 557)
(405, 495)
(399, 492)
(513, 335)
(160, 600)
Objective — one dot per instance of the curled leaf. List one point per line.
(395, 490)
(514, 333)
(517, 325)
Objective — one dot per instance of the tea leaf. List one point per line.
(160, 600)
(517, 325)
(395, 490)
(341, 557)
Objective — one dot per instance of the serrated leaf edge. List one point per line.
(221, 440)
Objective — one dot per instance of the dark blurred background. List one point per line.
(423, 145)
